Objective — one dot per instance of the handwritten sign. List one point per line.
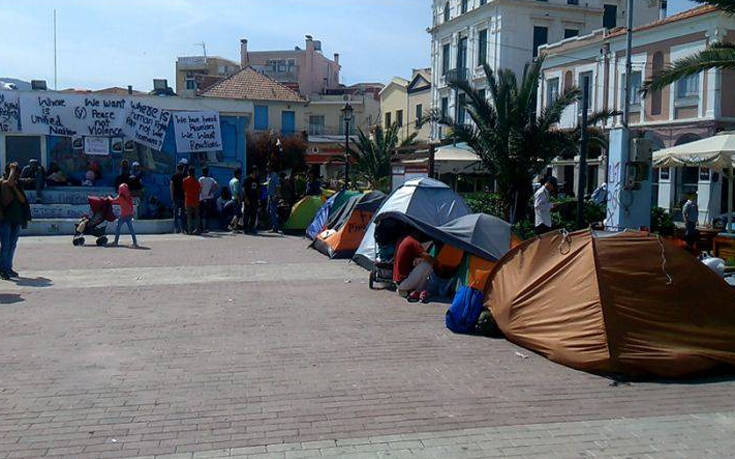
(49, 113)
(9, 111)
(97, 146)
(197, 131)
(146, 124)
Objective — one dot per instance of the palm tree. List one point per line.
(718, 55)
(513, 141)
(373, 152)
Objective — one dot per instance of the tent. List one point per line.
(716, 152)
(346, 227)
(334, 203)
(423, 199)
(302, 213)
(628, 303)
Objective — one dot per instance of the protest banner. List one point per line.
(197, 131)
(9, 111)
(50, 113)
(146, 124)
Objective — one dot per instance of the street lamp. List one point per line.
(347, 113)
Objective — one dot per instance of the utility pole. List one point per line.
(582, 184)
(55, 66)
(628, 67)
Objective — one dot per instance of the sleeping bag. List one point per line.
(465, 310)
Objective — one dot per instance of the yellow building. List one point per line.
(408, 103)
(196, 73)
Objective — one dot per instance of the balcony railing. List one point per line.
(457, 75)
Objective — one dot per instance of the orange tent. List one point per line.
(624, 303)
(346, 229)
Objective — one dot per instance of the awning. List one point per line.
(717, 152)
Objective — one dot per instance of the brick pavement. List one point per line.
(106, 353)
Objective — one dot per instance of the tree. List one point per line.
(718, 55)
(372, 153)
(263, 148)
(513, 141)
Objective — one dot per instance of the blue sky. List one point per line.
(121, 42)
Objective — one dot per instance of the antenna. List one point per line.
(204, 48)
(55, 79)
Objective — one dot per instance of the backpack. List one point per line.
(465, 310)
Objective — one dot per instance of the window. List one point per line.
(482, 2)
(704, 174)
(463, 6)
(342, 125)
(664, 173)
(552, 91)
(445, 59)
(419, 115)
(388, 120)
(568, 80)
(191, 83)
(461, 109)
(656, 96)
(446, 12)
(316, 124)
(540, 37)
(635, 88)
(569, 33)
(462, 54)
(610, 16)
(22, 148)
(687, 87)
(288, 122)
(588, 77)
(482, 48)
(445, 108)
(399, 118)
(572, 2)
(260, 122)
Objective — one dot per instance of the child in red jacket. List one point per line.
(125, 201)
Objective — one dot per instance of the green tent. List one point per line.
(302, 214)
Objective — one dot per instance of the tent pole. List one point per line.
(729, 199)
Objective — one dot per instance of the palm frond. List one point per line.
(720, 55)
(727, 6)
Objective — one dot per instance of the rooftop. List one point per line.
(248, 84)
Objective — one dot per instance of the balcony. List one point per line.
(457, 75)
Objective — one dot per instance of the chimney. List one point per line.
(309, 44)
(663, 8)
(130, 89)
(244, 60)
(336, 58)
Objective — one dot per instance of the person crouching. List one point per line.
(411, 268)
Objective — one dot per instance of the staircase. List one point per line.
(59, 209)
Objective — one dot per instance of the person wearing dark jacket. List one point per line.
(16, 213)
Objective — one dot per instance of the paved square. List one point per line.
(239, 346)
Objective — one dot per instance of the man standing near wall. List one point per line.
(207, 198)
(177, 196)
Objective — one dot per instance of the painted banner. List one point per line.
(97, 146)
(50, 113)
(9, 111)
(146, 124)
(197, 131)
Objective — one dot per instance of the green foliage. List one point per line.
(524, 229)
(565, 214)
(486, 203)
(372, 153)
(661, 222)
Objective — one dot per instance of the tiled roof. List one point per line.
(248, 84)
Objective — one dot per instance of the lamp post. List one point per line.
(347, 113)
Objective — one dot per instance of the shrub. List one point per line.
(486, 203)
(661, 222)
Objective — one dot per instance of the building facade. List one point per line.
(691, 109)
(197, 73)
(506, 34)
(408, 103)
(306, 70)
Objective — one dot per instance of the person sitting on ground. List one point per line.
(89, 177)
(192, 191)
(56, 176)
(225, 207)
(412, 267)
(33, 177)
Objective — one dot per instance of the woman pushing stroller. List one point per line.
(125, 201)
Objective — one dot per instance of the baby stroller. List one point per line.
(96, 225)
(387, 234)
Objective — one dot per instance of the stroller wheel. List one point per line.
(78, 241)
(371, 281)
(102, 241)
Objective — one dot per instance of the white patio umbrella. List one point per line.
(716, 152)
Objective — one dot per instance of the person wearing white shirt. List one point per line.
(207, 198)
(542, 206)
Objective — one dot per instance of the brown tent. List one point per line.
(625, 303)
